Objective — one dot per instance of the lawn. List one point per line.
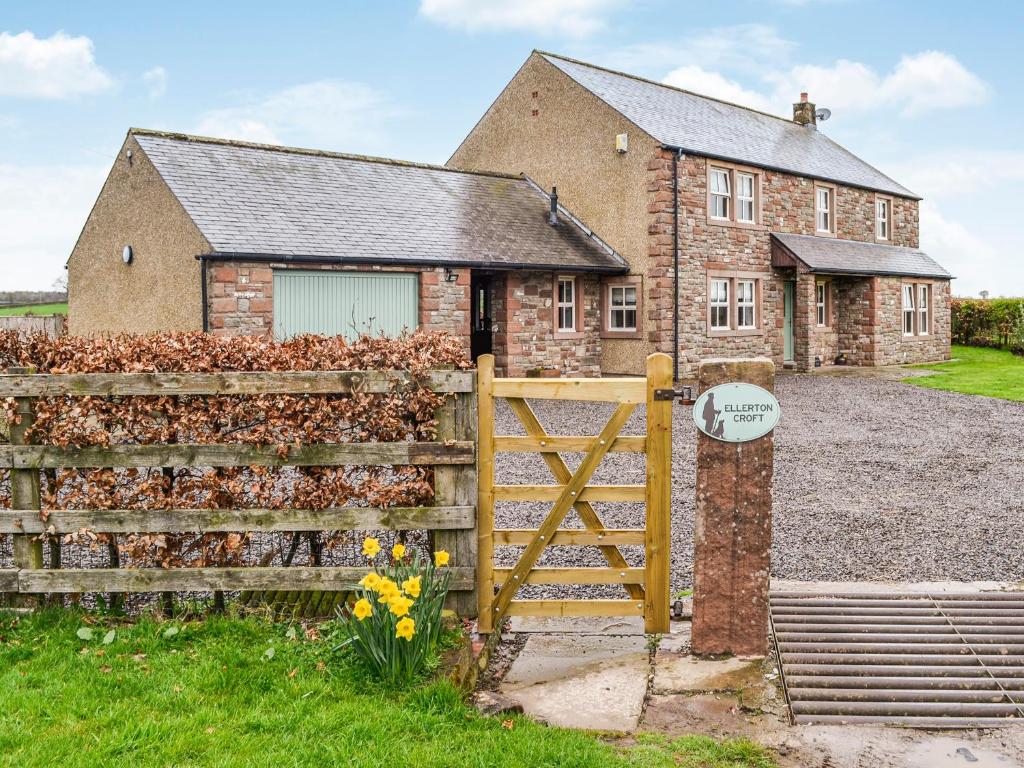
(35, 309)
(977, 371)
(245, 692)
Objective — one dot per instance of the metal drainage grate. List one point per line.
(926, 660)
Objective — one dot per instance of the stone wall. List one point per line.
(241, 297)
(524, 341)
(787, 205)
(893, 347)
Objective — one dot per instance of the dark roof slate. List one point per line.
(704, 126)
(831, 255)
(275, 201)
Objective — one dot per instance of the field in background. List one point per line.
(35, 309)
(977, 371)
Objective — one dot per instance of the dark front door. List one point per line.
(480, 335)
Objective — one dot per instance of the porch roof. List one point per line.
(831, 255)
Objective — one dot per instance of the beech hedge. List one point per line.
(989, 323)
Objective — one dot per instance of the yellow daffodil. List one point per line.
(398, 551)
(400, 605)
(405, 628)
(370, 581)
(387, 589)
(371, 547)
(411, 586)
(362, 609)
(441, 558)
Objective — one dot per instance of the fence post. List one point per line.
(485, 495)
(733, 527)
(455, 485)
(658, 536)
(28, 549)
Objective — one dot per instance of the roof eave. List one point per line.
(406, 262)
(908, 195)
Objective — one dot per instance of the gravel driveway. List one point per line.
(874, 480)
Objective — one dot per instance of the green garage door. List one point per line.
(345, 303)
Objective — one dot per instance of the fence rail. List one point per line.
(451, 521)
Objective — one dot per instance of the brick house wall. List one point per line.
(868, 336)
(241, 297)
(524, 343)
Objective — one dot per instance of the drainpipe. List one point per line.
(675, 264)
(203, 270)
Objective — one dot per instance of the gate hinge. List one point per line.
(684, 394)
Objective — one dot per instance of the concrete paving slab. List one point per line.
(552, 657)
(592, 682)
(676, 673)
(679, 640)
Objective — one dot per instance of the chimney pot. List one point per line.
(803, 96)
(553, 215)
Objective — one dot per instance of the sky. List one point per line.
(928, 92)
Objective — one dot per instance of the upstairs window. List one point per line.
(745, 198)
(733, 195)
(824, 210)
(908, 309)
(721, 194)
(566, 307)
(883, 213)
(719, 305)
(622, 308)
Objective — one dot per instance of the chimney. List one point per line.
(803, 112)
(553, 216)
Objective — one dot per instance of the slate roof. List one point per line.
(831, 255)
(704, 126)
(252, 199)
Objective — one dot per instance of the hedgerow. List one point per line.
(989, 323)
(274, 419)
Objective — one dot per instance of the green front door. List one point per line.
(789, 295)
(344, 303)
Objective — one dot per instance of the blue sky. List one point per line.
(924, 91)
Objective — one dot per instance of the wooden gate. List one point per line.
(647, 587)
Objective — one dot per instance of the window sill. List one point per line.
(737, 224)
(567, 335)
(732, 332)
(820, 233)
(622, 334)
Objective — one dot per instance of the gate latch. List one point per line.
(684, 395)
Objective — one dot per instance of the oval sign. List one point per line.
(736, 413)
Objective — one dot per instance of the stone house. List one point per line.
(745, 233)
(190, 233)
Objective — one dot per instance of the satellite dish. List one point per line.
(822, 114)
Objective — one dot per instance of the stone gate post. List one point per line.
(733, 527)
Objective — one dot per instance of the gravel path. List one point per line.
(874, 480)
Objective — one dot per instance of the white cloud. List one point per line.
(56, 67)
(326, 113)
(575, 18)
(42, 210)
(747, 48)
(960, 172)
(977, 263)
(706, 83)
(156, 80)
(919, 83)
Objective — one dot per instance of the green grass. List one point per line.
(234, 692)
(35, 309)
(977, 371)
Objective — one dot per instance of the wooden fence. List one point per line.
(51, 325)
(452, 520)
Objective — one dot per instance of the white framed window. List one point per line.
(721, 194)
(566, 305)
(745, 198)
(622, 307)
(882, 215)
(745, 317)
(908, 309)
(821, 302)
(823, 209)
(922, 309)
(719, 305)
